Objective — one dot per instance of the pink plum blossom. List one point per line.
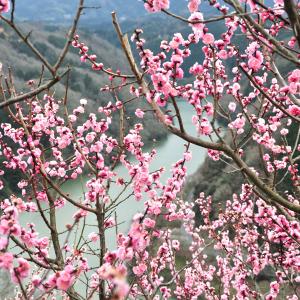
(4, 6)
(193, 5)
(6, 260)
(208, 39)
(139, 113)
(22, 271)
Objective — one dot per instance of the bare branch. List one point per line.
(291, 10)
(29, 44)
(70, 36)
(34, 92)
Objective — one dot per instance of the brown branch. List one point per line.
(271, 11)
(283, 82)
(108, 72)
(291, 10)
(281, 49)
(30, 252)
(211, 20)
(53, 230)
(269, 98)
(12, 14)
(61, 193)
(178, 115)
(39, 207)
(30, 45)
(34, 92)
(215, 19)
(70, 36)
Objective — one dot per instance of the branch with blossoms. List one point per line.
(219, 147)
(242, 101)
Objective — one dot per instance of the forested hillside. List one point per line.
(100, 12)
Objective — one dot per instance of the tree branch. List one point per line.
(70, 36)
(291, 10)
(34, 92)
(274, 197)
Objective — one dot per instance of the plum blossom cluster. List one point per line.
(214, 80)
(23, 151)
(156, 5)
(4, 6)
(241, 98)
(241, 250)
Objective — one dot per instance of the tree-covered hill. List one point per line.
(99, 11)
